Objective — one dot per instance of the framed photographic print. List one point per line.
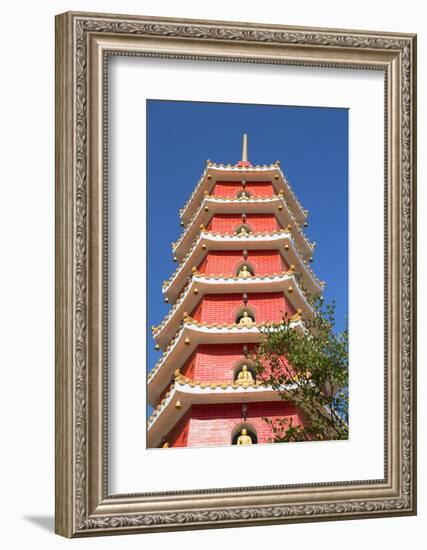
(235, 274)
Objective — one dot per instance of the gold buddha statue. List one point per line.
(244, 195)
(243, 231)
(244, 438)
(245, 375)
(244, 272)
(246, 320)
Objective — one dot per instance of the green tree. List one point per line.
(310, 368)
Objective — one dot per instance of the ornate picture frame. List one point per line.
(84, 42)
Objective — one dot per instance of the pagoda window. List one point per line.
(244, 434)
(243, 194)
(244, 372)
(245, 317)
(243, 229)
(245, 270)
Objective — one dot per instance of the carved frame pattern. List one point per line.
(83, 506)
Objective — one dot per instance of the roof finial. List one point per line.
(245, 148)
(244, 160)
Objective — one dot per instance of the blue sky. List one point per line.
(312, 146)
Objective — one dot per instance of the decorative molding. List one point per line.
(241, 515)
(80, 238)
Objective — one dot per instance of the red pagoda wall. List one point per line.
(211, 363)
(228, 223)
(178, 436)
(222, 308)
(206, 425)
(226, 262)
(231, 188)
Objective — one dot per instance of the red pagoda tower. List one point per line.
(241, 246)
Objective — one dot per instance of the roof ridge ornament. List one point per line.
(244, 161)
(245, 148)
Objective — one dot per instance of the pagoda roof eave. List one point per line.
(258, 241)
(166, 415)
(277, 282)
(214, 172)
(212, 205)
(180, 349)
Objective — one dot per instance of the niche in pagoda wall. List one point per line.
(212, 362)
(226, 262)
(239, 370)
(250, 431)
(245, 315)
(213, 425)
(245, 269)
(224, 308)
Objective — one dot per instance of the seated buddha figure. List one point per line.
(246, 320)
(245, 375)
(243, 231)
(244, 438)
(244, 272)
(244, 195)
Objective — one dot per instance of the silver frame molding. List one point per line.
(83, 43)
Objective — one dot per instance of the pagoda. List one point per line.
(240, 250)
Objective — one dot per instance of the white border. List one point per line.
(133, 468)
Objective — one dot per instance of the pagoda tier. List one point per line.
(280, 241)
(223, 416)
(269, 175)
(206, 398)
(256, 209)
(201, 286)
(243, 269)
(192, 334)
